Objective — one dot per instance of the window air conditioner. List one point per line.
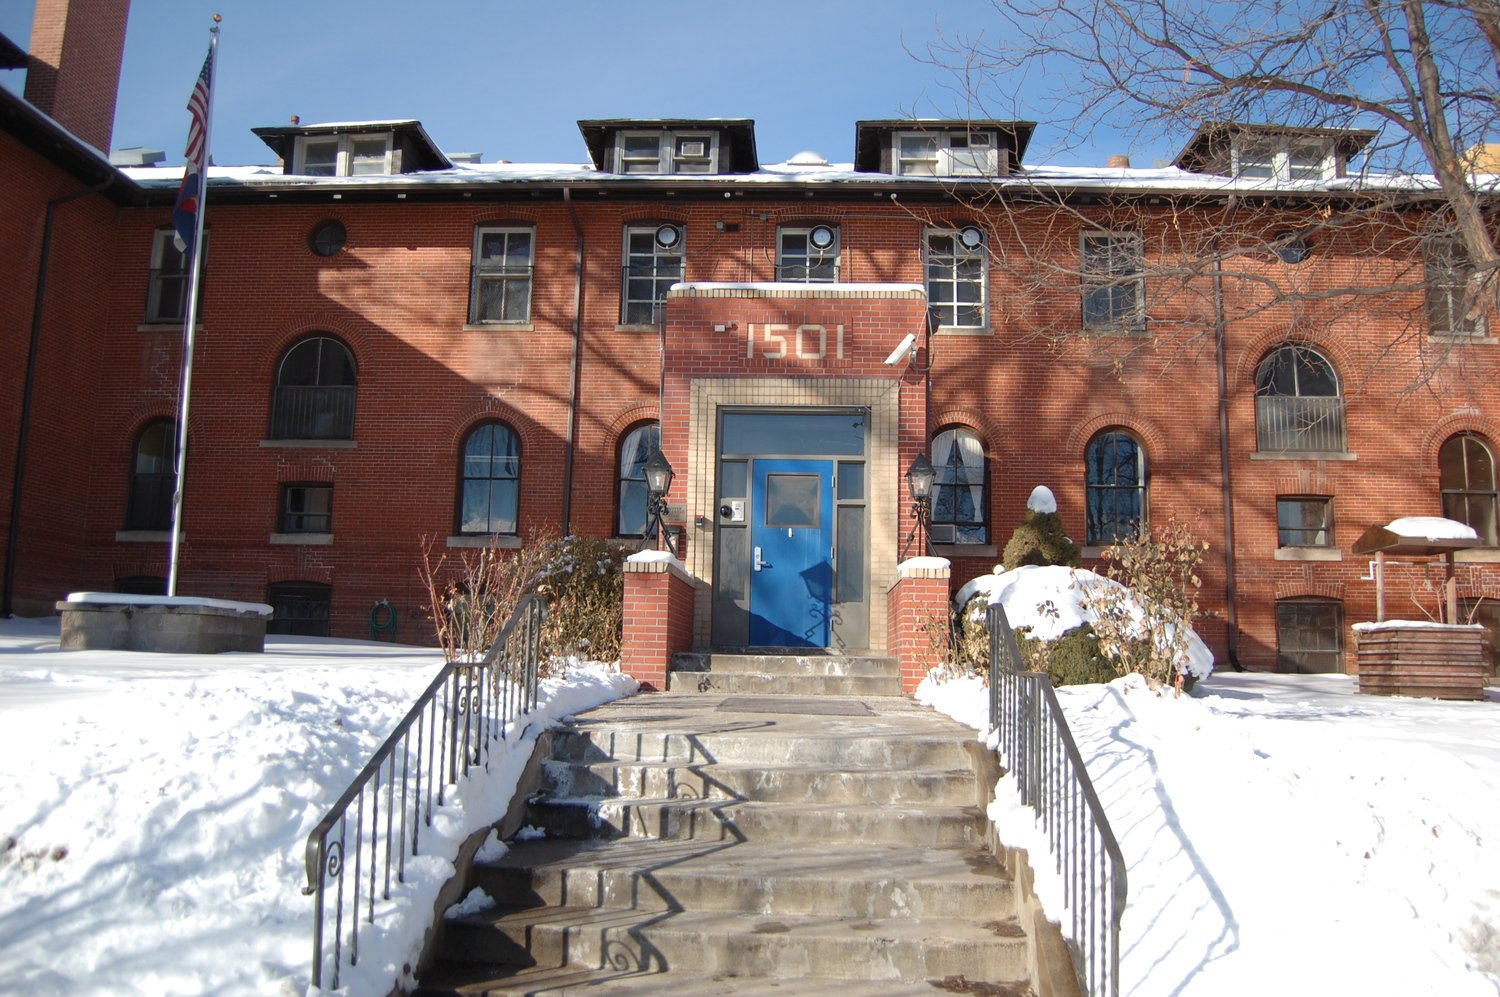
(944, 533)
(972, 162)
(694, 149)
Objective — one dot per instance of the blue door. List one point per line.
(791, 545)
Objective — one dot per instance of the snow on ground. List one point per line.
(1284, 834)
(153, 808)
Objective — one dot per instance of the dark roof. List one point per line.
(12, 56)
(65, 150)
(408, 134)
(1209, 145)
(735, 134)
(872, 137)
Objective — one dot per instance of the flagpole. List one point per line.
(190, 322)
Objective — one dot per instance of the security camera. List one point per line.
(902, 349)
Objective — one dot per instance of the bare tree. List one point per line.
(1419, 78)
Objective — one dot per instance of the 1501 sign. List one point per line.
(774, 341)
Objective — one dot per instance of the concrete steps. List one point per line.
(777, 674)
(706, 844)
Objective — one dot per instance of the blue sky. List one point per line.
(510, 80)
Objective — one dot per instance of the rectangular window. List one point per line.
(665, 152)
(1304, 522)
(501, 281)
(653, 263)
(957, 278)
(808, 255)
(1113, 285)
(343, 155)
(1278, 159)
(945, 154)
(306, 509)
(166, 293)
(1452, 307)
(1310, 636)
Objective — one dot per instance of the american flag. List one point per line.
(185, 214)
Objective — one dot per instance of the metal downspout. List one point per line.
(1231, 593)
(574, 368)
(18, 477)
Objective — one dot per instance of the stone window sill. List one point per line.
(166, 325)
(1479, 555)
(964, 550)
(963, 330)
(1303, 455)
(485, 540)
(636, 327)
(303, 539)
(1309, 554)
(309, 444)
(146, 536)
(499, 327)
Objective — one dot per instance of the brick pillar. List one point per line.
(658, 620)
(916, 618)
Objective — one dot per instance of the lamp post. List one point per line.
(920, 478)
(659, 477)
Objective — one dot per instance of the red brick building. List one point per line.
(394, 346)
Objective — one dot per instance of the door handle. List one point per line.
(760, 562)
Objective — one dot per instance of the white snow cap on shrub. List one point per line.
(1049, 600)
(1042, 500)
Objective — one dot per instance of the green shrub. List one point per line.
(1040, 540)
(1071, 659)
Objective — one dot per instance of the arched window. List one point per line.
(635, 448)
(153, 477)
(1310, 635)
(960, 500)
(1466, 473)
(1298, 403)
(1115, 466)
(315, 389)
(490, 490)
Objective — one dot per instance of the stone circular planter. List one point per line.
(110, 621)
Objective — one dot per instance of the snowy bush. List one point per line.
(1145, 622)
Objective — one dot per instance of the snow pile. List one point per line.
(153, 809)
(1432, 528)
(1283, 834)
(1049, 600)
(654, 557)
(476, 902)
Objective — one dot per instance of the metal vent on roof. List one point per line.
(463, 157)
(136, 156)
(808, 158)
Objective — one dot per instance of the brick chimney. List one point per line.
(73, 71)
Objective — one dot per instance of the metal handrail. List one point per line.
(1038, 749)
(448, 731)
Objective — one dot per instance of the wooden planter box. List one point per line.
(1421, 659)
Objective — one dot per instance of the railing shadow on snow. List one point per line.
(1037, 748)
(452, 727)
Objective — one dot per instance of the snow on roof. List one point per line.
(1168, 179)
(1414, 625)
(1431, 528)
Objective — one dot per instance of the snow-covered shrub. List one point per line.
(1145, 623)
(1040, 539)
(585, 587)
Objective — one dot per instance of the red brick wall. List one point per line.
(1032, 388)
(917, 612)
(658, 622)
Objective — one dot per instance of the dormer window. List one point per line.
(667, 151)
(343, 155)
(946, 154)
(1283, 159)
